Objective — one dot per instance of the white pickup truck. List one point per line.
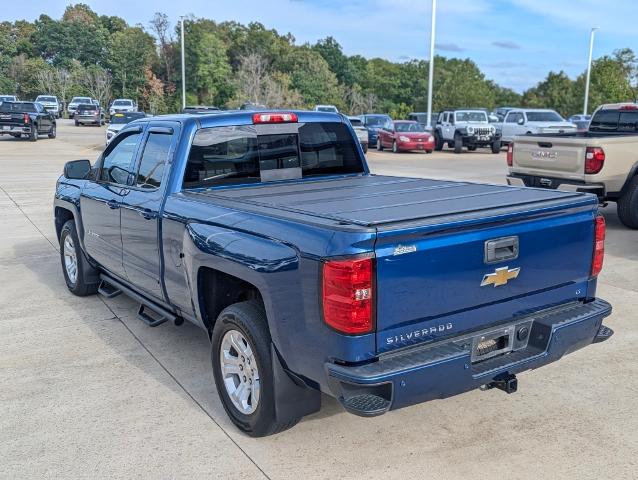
(532, 121)
(603, 160)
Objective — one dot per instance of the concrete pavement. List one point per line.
(88, 391)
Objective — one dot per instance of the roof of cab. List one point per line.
(244, 117)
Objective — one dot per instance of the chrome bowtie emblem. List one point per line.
(500, 276)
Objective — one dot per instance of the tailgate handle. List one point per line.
(545, 144)
(501, 249)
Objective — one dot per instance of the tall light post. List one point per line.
(431, 66)
(591, 50)
(181, 19)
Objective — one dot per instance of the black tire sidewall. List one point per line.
(248, 318)
(80, 288)
(628, 205)
(458, 143)
(33, 136)
(53, 133)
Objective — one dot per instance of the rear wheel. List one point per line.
(33, 136)
(75, 268)
(77, 124)
(496, 146)
(458, 143)
(438, 142)
(628, 205)
(243, 370)
(365, 148)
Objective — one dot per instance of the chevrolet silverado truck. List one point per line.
(309, 274)
(28, 119)
(603, 160)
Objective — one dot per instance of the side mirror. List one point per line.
(77, 169)
(521, 121)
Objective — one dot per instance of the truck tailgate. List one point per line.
(550, 156)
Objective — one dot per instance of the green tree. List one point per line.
(556, 91)
(610, 83)
(460, 83)
(131, 52)
(312, 78)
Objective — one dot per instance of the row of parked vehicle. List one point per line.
(56, 107)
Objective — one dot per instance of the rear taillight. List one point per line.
(274, 118)
(594, 160)
(510, 155)
(25, 118)
(348, 296)
(599, 246)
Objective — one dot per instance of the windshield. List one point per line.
(377, 120)
(234, 155)
(409, 127)
(122, 102)
(18, 107)
(476, 116)
(126, 117)
(544, 117)
(81, 100)
(45, 99)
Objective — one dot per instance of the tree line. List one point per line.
(228, 64)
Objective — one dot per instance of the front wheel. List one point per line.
(458, 143)
(395, 148)
(243, 369)
(438, 142)
(365, 148)
(628, 205)
(77, 124)
(379, 146)
(52, 132)
(76, 269)
(496, 146)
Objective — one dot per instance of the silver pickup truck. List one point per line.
(603, 160)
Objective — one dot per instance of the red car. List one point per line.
(405, 135)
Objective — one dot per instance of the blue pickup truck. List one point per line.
(309, 274)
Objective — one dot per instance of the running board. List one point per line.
(113, 288)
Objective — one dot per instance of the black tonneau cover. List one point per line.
(373, 201)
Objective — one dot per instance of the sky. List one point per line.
(514, 42)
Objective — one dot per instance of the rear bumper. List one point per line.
(445, 368)
(87, 119)
(556, 184)
(15, 129)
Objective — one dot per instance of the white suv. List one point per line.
(121, 105)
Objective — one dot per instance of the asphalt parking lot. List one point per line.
(88, 391)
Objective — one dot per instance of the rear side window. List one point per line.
(237, 155)
(605, 121)
(628, 121)
(17, 107)
(154, 158)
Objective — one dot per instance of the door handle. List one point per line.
(113, 204)
(147, 213)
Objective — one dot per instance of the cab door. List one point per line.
(142, 206)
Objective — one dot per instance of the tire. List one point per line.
(77, 124)
(379, 146)
(33, 136)
(53, 132)
(472, 148)
(438, 142)
(244, 324)
(496, 146)
(365, 148)
(458, 143)
(428, 151)
(628, 205)
(70, 247)
(395, 148)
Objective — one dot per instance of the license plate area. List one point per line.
(500, 341)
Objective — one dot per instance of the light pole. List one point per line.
(181, 19)
(431, 66)
(591, 50)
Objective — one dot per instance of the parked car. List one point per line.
(88, 113)
(531, 121)
(374, 121)
(73, 104)
(326, 108)
(360, 131)
(200, 109)
(581, 122)
(26, 119)
(602, 161)
(8, 98)
(422, 117)
(500, 112)
(122, 105)
(119, 121)
(51, 103)
(405, 136)
(466, 128)
(311, 275)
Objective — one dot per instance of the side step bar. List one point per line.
(110, 288)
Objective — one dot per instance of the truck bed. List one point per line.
(371, 201)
